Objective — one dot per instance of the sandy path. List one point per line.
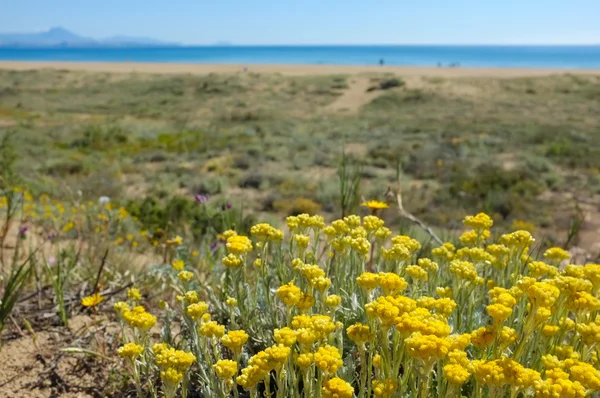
(126, 67)
(354, 97)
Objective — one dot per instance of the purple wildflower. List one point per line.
(23, 232)
(202, 199)
(213, 246)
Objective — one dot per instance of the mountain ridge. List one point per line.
(60, 37)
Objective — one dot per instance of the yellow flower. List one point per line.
(428, 265)
(586, 374)
(483, 336)
(468, 238)
(416, 272)
(290, 294)
(556, 254)
(176, 241)
(375, 205)
(333, 301)
(384, 388)
(304, 360)
(550, 330)
(92, 301)
(231, 302)
(171, 376)
(234, 340)
(120, 307)
(352, 221)
(427, 347)
(232, 261)
(388, 308)
(139, 318)
(391, 283)
(409, 243)
(306, 302)
(185, 276)
(499, 313)
(328, 359)
(238, 244)
(464, 270)
(320, 283)
(359, 333)
(337, 388)
(177, 265)
(191, 297)
(266, 232)
(285, 336)
(360, 245)
(479, 222)
(196, 310)
(377, 361)
(444, 252)
(308, 271)
(277, 356)
(563, 388)
(302, 240)
(212, 329)
(538, 269)
(368, 281)
(383, 233)
(134, 294)
(488, 372)
(130, 350)
(542, 294)
(372, 223)
(517, 240)
(225, 369)
(456, 374)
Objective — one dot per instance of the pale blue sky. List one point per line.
(316, 21)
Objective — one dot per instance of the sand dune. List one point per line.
(126, 67)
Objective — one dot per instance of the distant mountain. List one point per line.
(60, 37)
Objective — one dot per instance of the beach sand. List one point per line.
(175, 68)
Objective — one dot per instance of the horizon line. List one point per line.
(225, 44)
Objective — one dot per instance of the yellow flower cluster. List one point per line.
(225, 368)
(212, 329)
(234, 340)
(138, 318)
(261, 364)
(304, 221)
(337, 388)
(238, 244)
(285, 336)
(359, 333)
(172, 363)
(478, 222)
(290, 294)
(328, 359)
(427, 347)
(130, 350)
(266, 232)
(196, 310)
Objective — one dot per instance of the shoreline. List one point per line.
(288, 69)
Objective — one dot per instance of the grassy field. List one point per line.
(187, 159)
(519, 148)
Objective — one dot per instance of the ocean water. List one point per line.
(580, 57)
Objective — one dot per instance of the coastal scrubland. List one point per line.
(444, 224)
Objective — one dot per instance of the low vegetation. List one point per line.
(235, 235)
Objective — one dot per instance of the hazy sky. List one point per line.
(316, 21)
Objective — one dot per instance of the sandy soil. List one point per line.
(125, 67)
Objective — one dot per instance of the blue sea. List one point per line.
(580, 57)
